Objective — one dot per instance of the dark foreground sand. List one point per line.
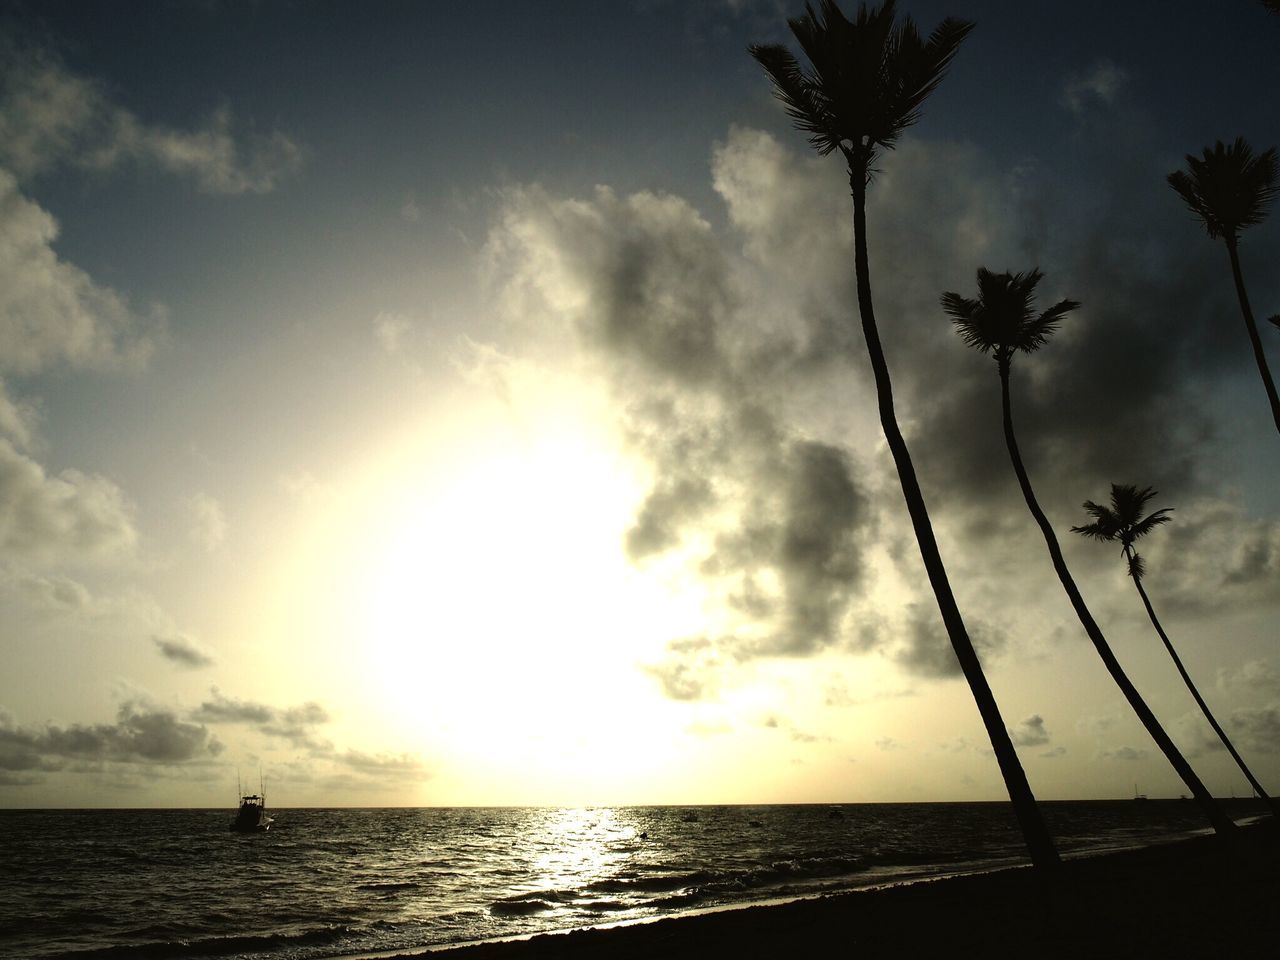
(1187, 899)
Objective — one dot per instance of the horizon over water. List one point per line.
(326, 882)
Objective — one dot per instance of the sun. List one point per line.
(494, 607)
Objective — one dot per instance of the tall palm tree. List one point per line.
(866, 81)
(1229, 189)
(1123, 522)
(1002, 322)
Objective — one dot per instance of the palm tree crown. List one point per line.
(1228, 188)
(1002, 319)
(867, 79)
(1123, 521)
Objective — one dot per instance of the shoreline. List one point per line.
(1184, 897)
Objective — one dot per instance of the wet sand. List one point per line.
(1183, 899)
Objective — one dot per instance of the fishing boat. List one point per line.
(252, 817)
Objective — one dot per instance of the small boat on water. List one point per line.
(252, 815)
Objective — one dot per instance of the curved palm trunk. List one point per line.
(1221, 823)
(1039, 845)
(1204, 707)
(1263, 370)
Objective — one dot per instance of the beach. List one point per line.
(1187, 898)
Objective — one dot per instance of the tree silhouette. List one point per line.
(1001, 321)
(1229, 189)
(1272, 5)
(1123, 522)
(866, 82)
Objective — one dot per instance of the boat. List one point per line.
(252, 815)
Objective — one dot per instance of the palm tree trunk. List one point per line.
(1221, 823)
(1263, 370)
(1039, 844)
(1186, 678)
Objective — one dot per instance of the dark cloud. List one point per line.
(1030, 732)
(139, 735)
(294, 724)
(1127, 754)
(1258, 728)
(926, 649)
(400, 765)
(1253, 674)
(183, 651)
(741, 375)
(690, 669)
(776, 522)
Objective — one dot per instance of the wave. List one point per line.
(207, 947)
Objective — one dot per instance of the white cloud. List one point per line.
(51, 311)
(208, 521)
(210, 156)
(72, 517)
(1100, 84)
(17, 419)
(390, 330)
(50, 115)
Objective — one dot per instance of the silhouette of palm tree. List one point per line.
(1002, 321)
(1123, 522)
(866, 82)
(1229, 189)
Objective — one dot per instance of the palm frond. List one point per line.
(1275, 321)
(1123, 520)
(1002, 318)
(801, 96)
(1228, 187)
(866, 78)
(1137, 566)
(1104, 524)
(1272, 5)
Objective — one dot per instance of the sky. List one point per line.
(414, 404)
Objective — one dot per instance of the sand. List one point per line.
(1189, 898)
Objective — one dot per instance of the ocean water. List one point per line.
(322, 883)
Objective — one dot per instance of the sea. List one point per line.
(323, 883)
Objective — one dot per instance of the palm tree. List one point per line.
(1229, 189)
(1002, 322)
(866, 82)
(1123, 522)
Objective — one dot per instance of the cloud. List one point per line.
(1257, 728)
(1253, 674)
(396, 765)
(726, 353)
(1126, 754)
(51, 311)
(139, 735)
(1214, 557)
(183, 651)
(296, 725)
(690, 670)
(208, 521)
(643, 287)
(1030, 732)
(390, 330)
(49, 115)
(17, 419)
(1100, 84)
(72, 517)
(926, 650)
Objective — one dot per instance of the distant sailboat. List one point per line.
(1136, 794)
